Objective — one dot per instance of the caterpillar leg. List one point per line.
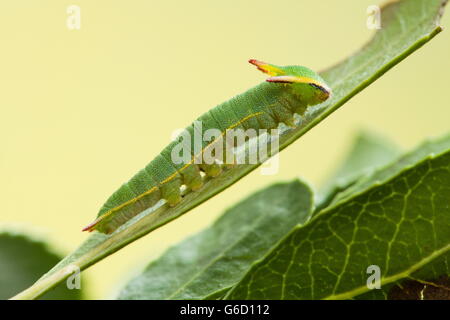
(171, 191)
(211, 170)
(192, 177)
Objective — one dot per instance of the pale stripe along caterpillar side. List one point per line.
(288, 91)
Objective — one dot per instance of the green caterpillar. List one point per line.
(289, 90)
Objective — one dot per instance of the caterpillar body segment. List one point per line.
(289, 90)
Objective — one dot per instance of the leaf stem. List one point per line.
(45, 284)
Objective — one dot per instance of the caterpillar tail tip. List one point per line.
(91, 227)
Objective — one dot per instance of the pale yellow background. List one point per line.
(82, 111)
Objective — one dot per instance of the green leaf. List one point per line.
(214, 260)
(431, 282)
(23, 260)
(407, 161)
(398, 219)
(407, 25)
(368, 152)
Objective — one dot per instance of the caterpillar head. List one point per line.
(302, 80)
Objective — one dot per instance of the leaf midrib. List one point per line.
(386, 280)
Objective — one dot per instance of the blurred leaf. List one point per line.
(410, 160)
(23, 260)
(368, 152)
(407, 25)
(398, 219)
(212, 261)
